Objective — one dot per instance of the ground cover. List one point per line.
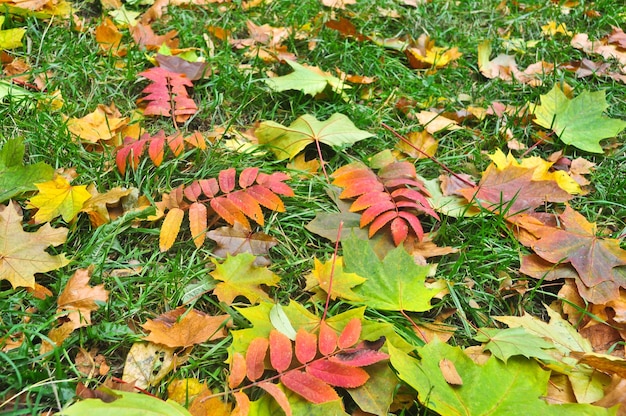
(174, 176)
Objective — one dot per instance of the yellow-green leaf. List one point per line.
(58, 197)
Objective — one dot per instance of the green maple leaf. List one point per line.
(125, 403)
(393, 284)
(494, 388)
(308, 79)
(505, 343)
(578, 121)
(15, 178)
(239, 276)
(287, 142)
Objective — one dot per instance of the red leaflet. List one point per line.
(243, 404)
(226, 179)
(255, 358)
(359, 358)
(167, 94)
(278, 395)
(338, 374)
(198, 223)
(247, 177)
(237, 370)
(310, 388)
(280, 351)
(394, 198)
(327, 340)
(350, 334)
(306, 346)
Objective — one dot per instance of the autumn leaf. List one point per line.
(15, 177)
(236, 239)
(318, 281)
(287, 142)
(183, 328)
(58, 197)
(97, 207)
(147, 363)
(394, 284)
(578, 121)
(126, 403)
(239, 277)
(308, 79)
(167, 95)
(598, 261)
(109, 38)
(514, 388)
(79, 299)
(23, 254)
(103, 124)
(506, 343)
(10, 38)
(144, 36)
(505, 68)
(422, 53)
(608, 46)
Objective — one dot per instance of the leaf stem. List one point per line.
(332, 270)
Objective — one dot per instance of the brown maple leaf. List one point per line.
(79, 299)
(23, 254)
(598, 262)
(194, 327)
(236, 239)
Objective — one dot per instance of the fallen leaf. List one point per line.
(192, 70)
(423, 53)
(318, 281)
(239, 277)
(421, 140)
(184, 391)
(58, 197)
(79, 299)
(578, 121)
(337, 4)
(109, 38)
(610, 46)
(194, 327)
(10, 38)
(144, 36)
(103, 124)
(552, 29)
(308, 79)
(147, 364)
(23, 254)
(57, 335)
(434, 122)
(15, 177)
(505, 68)
(99, 205)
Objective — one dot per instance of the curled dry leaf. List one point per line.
(79, 299)
(184, 328)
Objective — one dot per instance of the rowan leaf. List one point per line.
(280, 351)
(243, 404)
(198, 223)
(23, 254)
(57, 197)
(394, 197)
(327, 340)
(337, 374)
(598, 261)
(578, 121)
(309, 387)
(183, 328)
(255, 358)
(350, 334)
(506, 343)
(239, 277)
(318, 281)
(170, 228)
(306, 346)
(514, 388)
(278, 395)
(396, 283)
(126, 403)
(15, 177)
(79, 299)
(238, 370)
(167, 94)
(308, 79)
(286, 142)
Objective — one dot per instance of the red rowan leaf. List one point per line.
(337, 374)
(167, 94)
(275, 183)
(247, 204)
(210, 187)
(243, 404)
(350, 334)
(306, 346)
(192, 191)
(278, 395)
(198, 223)
(266, 198)
(247, 177)
(309, 387)
(327, 339)
(238, 370)
(229, 212)
(156, 148)
(226, 179)
(395, 197)
(359, 357)
(255, 358)
(280, 351)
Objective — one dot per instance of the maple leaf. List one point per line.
(239, 277)
(598, 261)
(236, 239)
(103, 124)
(23, 254)
(422, 53)
(124, 403)
(287, 142)
(144, 36)
(97, 207)
(610, 46)
(109, 38)
(578, 121)
(394, 284)
(58, 197)
(506, 343)
(511, 187)
(183, 328)
(15, 177)
(308, 79)
(319, 279)
(79, 299)
(10, 38)
(514, 388)
(388, 197)
(505, 68)
(167, 95)
(147, 364)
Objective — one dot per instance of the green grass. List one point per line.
(237, 98)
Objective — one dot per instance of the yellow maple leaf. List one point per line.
(23, 254)
(541, 170)
(58, 197)
(100, 125)
(552, 29)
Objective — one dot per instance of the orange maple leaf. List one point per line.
(194, 327)
(79, 299)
